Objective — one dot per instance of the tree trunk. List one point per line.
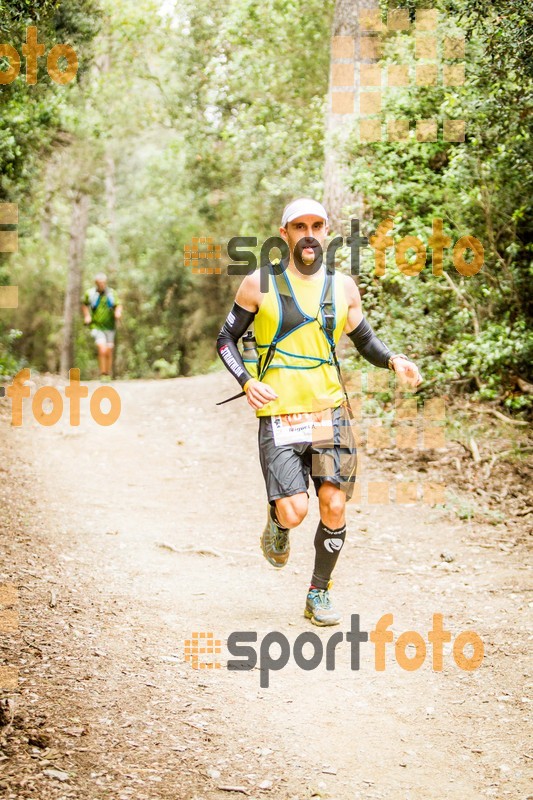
(49, 185)
(340, 201)
(111, 195)
(78, 231)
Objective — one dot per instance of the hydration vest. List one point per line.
(95, 297)
(291, 317)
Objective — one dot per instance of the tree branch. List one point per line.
(467, 304)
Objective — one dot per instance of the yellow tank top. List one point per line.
(302, 372)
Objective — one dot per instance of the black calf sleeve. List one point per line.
(328, 544)
(274, 517)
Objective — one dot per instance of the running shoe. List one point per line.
(318, 608)
(275, 543)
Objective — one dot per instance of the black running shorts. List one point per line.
(286, 468)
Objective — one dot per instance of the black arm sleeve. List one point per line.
(370, 347)
(237, 323)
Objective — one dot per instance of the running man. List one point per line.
(297, 384)
(101, 310)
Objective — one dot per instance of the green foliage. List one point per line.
(468, 333)
(210, 141)
(31, 115)
(9, 363)
(31, 121)
(203, 119)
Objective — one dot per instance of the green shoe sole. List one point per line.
(320, 623)
(282, 558)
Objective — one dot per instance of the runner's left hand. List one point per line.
(407, 372)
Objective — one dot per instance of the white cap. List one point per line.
(301, 207)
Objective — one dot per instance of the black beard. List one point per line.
(310, 268)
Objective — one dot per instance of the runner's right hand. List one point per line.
(259, 394)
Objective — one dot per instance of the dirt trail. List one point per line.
(110, 706)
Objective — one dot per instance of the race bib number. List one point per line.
(306, 427)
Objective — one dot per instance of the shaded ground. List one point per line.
(107, 706)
